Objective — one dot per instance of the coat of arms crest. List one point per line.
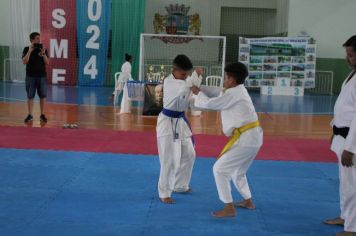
(177, 22)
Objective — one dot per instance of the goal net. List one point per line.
(157, 52)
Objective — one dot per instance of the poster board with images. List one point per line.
(153, 99)
(279, 61)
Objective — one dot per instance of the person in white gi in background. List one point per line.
(240, 123)
(124, 77)
(174, 136)
(344, 144)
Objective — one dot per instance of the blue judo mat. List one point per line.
(78, 193)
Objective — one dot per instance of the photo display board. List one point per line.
(279, 61)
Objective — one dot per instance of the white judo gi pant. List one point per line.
(176, 158)
(347, 187)
(125, 102)
(233, 166)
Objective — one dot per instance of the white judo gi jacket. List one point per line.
(345, 116)
(175, 147)
(237, 110)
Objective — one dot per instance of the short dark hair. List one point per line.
(351, 42)
(127, 57)
(238, 71)
(33, 35)
(183, 62)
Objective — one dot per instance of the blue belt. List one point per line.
(178, 114)
(173, 114)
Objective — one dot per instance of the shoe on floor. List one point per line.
(29, 118)
(43, 118)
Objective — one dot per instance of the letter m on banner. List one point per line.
(58, 33)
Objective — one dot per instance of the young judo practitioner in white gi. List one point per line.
(174, 136)
(125, 76)
(344, 144)
(240, 123)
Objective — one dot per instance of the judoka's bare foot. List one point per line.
(189, 190)
(167, 200)
(345, 233)
(336, 221)
(228, 211)
(248, 204)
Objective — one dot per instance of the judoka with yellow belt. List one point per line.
(240, 123)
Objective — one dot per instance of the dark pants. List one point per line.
(34, 84)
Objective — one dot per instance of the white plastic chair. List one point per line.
(119, 86)
(214, 80)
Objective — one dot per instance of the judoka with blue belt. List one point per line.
(174, 136)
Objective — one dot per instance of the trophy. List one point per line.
(150, 73)
(162, 74)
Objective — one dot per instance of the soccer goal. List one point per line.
(157, 52)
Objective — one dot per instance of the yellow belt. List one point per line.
(236, 135)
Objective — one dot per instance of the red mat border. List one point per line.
(128, 142)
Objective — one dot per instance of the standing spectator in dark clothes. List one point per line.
(35, 57)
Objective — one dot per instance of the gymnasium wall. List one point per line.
(331, 23)
(210, 11)
(5, 34)
(220, 17)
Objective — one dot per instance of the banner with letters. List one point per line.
(93, 21)
(58, 34)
